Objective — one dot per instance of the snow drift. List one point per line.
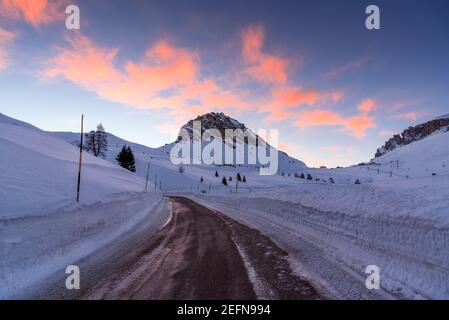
(42, 228)
(38, 172)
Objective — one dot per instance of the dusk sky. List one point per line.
(335, 90)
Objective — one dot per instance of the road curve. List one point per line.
(199, 254)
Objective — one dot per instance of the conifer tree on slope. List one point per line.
(125, 159)
(131, 160)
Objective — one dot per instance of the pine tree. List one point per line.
(216, 174)
(239, 178)
(309, 177)
(224, 181)
(125, 159)
(244, 179)
(357, 181)
(201, 180)
(230, 178)
(131, 160)
(302, 176)
(97, 142)
(121, 158)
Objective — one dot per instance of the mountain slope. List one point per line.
(416, 133)
(166, 175)
(38, 172)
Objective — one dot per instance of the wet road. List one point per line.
(197, 254)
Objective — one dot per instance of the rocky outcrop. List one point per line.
(413, 134)
(222, 122)
(215, 120)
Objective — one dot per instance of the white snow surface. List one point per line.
(38, 172)
(397, 221)
(397, 218)
(42, 228)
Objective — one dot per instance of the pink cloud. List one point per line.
(284, 99)
(139, 84)
(34, 12)
(6, 39)
(169, 77)
(355, 125)
(367, 106)
(411, 116)
(397, 105)
(262, 67)
(358, 125)
(345, 68)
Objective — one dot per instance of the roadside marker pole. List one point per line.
(148, 171)
(80, 161)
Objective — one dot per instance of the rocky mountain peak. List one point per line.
(412, 134)
(215, 120)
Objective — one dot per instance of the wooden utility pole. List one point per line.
(148, 171)
(80, 161)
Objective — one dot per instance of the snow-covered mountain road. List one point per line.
(197, 254)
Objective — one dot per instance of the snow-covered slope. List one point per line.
(38, 172)
(165, 175)
(416, 133)
(396, 219)
(421, 158)
(42, 228)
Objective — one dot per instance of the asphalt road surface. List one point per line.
(197, 254)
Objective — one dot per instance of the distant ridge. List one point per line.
(416, 133)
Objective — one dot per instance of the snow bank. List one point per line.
(38, 172)
(42, 228)
(410, 251)
(35, 247)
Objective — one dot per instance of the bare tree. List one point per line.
(97, 142)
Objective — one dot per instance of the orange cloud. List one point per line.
(318, 118)
(358, 125)
(291, 96)
(262, 67)
(367, 105)
(166, 77)
(35, 12)
(6, 38)
(85, 64)
(283, 99)
(355, 125)
(169, 77)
